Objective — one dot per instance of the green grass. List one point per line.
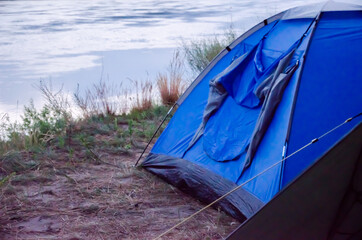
(200, 52)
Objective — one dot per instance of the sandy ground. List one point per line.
(69, 197)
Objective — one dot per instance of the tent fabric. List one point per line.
(312, 10)
(203, 184)
(217, 95)
(322, 203)
(270, 87)
(262, 26)
(334, 53)
(289, 79)
(272, 91)
(232, 119)
(303, 12)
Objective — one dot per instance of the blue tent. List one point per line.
(286, 81)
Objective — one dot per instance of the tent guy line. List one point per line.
(260, 173)
(154, 134)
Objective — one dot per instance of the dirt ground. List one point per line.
(63, 197)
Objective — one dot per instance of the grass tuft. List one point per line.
(102, 99)
(171, 84)
(143, 99)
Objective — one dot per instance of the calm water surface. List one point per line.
(74, 42)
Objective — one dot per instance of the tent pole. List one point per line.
(154, 134)
(294, 101)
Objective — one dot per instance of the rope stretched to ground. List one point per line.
(154, 134)
(247, 181)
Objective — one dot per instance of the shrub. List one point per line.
(42, 126)
(37, 126)
(11, 136)
(199, 53)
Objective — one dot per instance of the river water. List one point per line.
(74, 43)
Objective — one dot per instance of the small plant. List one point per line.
(104, 129)
(128, 146)
(115, 124)
(149, 131)
(70, 153)
(116, 142)
(85, 140)
(131, 128)
(61, 141)
(42, 126)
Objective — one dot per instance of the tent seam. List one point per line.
(291, 116)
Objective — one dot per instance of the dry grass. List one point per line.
(110, 99)
(102, 99)
(171, 84)
(143, 98)
(55, 100)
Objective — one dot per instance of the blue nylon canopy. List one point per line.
(309, 60)
(330, 88)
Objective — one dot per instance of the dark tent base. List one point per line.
(323, 203)
(203, 185)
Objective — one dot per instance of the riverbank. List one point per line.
(84, 186)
